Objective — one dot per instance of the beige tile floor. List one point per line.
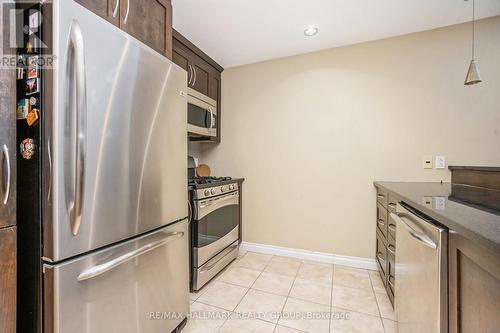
(260, 293)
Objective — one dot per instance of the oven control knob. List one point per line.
(212, 191)
(232, 186)
(222, 189)
(207, 192)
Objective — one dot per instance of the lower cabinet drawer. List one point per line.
(382, 219)
(381, 254)
(382, 197)
(391, 226)
(391, 267)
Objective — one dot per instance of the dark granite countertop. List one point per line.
(475, 168)
(476, 224)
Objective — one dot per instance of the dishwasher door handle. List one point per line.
(420, 236)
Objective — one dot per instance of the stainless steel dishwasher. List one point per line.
(421, 273)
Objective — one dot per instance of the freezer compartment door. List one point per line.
(138, 286)
(118, 137)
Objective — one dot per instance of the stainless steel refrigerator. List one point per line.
(113, 198)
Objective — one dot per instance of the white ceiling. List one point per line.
(237, 32)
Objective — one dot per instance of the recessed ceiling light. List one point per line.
(311, 31)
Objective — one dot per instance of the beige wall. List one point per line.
(310, 133)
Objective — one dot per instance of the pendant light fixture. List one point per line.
(473, 75)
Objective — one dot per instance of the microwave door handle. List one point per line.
(211, 118)
(77, 48)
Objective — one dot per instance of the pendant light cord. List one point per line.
(473, 28)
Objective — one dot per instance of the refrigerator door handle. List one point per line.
(49, 159)
(7, 185)
(103, 268)
(76, 48)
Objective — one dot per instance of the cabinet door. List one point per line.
(214, 91)
(201, 76)
(180, 56)
(8, 280)
(474, 287)
(150, 21)
(214, 85)
(107, 9)
(183, 57)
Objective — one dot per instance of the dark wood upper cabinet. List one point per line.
(107, 9)
(204, 74)
(214, 85)
(150, 21)
(201, 78)
(8, 280)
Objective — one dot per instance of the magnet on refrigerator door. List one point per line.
(27, 148)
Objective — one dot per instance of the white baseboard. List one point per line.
(330, 258)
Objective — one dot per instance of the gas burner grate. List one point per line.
(207, 180)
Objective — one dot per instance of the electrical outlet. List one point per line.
(439, 203)
(427, 162)
(440, 162)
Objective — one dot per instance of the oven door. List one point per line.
(215, 227)
(202, 114)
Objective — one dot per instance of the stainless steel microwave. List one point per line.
(202, 114)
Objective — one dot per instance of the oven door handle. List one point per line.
(208, 206)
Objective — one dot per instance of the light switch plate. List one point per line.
(427, 162)
(427, 201)
(440, 162)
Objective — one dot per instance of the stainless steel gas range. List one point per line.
(214, 226)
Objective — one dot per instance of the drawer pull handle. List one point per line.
(381, 196)
(392, 227)
(223, 255)
(379, 257)
(390, 282)
(381, 222)
(391, 249)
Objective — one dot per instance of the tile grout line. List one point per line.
(376, 301)
(288, 295)
(248, 289)
(237, 259)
